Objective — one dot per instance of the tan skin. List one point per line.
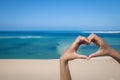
(71, 53)
(104, 49)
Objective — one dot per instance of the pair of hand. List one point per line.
(71, 52)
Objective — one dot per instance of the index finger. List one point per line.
(95, 39)
(79, 40)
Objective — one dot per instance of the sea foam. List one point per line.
(100, 32)
(21, 37)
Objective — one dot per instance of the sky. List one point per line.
(59, 14)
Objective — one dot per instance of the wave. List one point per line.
(100, 32)
(21, 37)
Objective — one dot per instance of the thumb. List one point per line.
(81, 56)
(93, 55)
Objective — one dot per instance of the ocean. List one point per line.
(49, 44)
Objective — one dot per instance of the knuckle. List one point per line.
(93, 34)
(79, 37)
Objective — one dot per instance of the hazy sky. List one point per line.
(59, 14)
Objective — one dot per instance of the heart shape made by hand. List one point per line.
(71, 52)
(103, 48)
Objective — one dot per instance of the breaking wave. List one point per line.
(21, 37)
(100, 32)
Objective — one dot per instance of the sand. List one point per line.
(102, 68)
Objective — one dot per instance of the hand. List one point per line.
(104, 49)
(71, 52)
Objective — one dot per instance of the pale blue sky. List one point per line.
(59, 14)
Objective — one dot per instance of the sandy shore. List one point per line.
(102, 68)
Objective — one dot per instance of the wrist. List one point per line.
(62, 60)
(113, 52)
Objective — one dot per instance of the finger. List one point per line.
(93, 55)
(79, 40)
(95, 39)
(81, 56)
(91, 37)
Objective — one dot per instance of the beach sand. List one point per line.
(102, 68)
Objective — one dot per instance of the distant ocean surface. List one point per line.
(49, 44)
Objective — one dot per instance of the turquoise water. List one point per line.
(48, 44)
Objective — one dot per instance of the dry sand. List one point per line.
(102, 68)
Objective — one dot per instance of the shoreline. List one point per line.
(99, 68)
